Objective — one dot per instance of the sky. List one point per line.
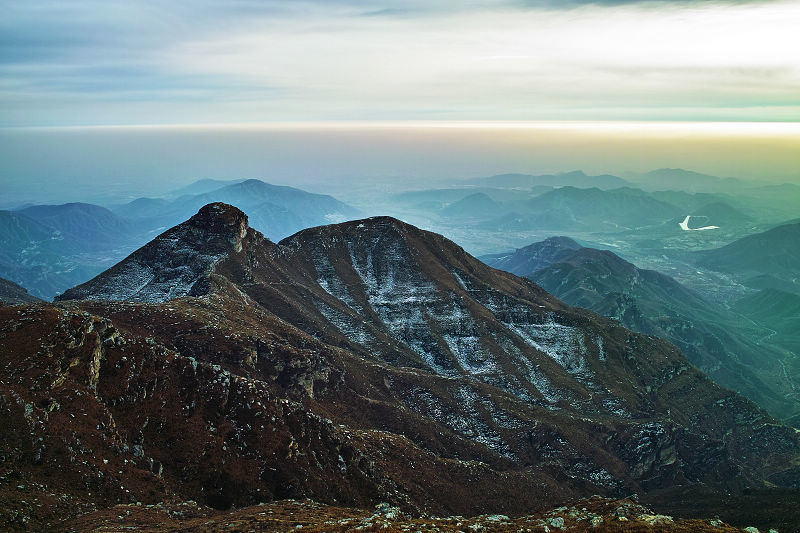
(122, 62)
(144, 95)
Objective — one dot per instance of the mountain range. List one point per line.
(355, 363)
(774, 252)
(49, 248)
(678, 179)
(275, 209)
(722, 343)
(572, 208)
(575, 178)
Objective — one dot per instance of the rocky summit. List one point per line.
(355, 364)
(176, 263)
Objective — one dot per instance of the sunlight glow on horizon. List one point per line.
(683, 127)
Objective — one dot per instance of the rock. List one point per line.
(656, 519)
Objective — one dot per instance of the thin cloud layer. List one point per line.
(133, 62)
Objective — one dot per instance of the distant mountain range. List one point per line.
(568, 179)
(715, 339)
(277, 210)
(434, 200)
(677, 179)
(39, 257)
(203, 186)
(473, 207)
(571, 208)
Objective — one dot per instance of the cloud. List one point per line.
(114, 62)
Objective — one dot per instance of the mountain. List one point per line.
(18, 232)
(49, 248)
(778, 310)
(569, 179)
(474, 206)
(37, 256)
(203, 186)
(356, 363)
(142, 208)
(688, 202)
(571, 208)
(11, 293)
(716, 340)
(768, 281)
(281, 210)
(436, 199)
(529, 259)
(775, 203)
(775, 251)
(720, 214)
(687, 180)
(86, 226)
(276, 210)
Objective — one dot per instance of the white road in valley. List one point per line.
(685, 225)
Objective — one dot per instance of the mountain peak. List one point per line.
(176, 263)
(221, 219)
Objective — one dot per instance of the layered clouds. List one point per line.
(141, 62)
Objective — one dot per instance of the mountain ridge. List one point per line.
(362, 362)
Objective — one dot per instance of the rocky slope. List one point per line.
(176, 263)
(11, 293)
(354, 364)
(597, 515)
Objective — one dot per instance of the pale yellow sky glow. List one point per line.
(304, 153)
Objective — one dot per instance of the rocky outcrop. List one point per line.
(176, 263)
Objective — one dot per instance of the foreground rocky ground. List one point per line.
(593, 514)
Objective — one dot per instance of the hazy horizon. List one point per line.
(54, 164)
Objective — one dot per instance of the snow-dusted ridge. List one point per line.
(176, 263)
